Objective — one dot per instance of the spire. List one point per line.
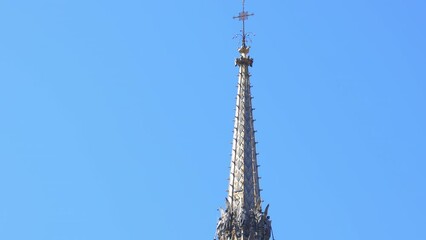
(243, 218)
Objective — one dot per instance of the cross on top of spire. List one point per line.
(243, 16)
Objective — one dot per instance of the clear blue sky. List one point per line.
(116, 117)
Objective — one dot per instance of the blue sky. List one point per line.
(116, 117)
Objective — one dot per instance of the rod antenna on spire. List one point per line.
(243, 16)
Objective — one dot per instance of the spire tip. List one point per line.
(243, 16)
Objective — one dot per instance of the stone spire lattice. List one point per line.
(243, 218)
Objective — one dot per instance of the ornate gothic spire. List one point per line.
(243, 218)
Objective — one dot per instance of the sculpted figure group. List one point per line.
(255, 225)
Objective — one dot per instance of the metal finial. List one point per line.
(243, 16)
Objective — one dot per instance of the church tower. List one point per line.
(243, 218)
